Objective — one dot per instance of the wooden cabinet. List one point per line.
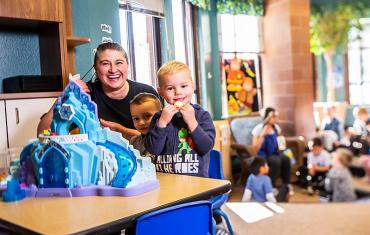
(52, 22)
(22, 117)
(3, 134)
(49, 22)
(45, 10)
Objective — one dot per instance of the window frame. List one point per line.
(155, 54)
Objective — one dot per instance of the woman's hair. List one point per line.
(171, 68)
(145, 97)
(344, 156)
(256, 164)
(266, 113)
(109, 46)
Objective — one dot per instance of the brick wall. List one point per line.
(287, 66)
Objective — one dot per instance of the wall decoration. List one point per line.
(241, 85)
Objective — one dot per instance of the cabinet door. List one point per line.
(47, 10)
(3, 135)
(23, 116)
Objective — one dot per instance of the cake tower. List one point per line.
(92, 161)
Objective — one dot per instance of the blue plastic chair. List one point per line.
(215, 171)
(183, 219)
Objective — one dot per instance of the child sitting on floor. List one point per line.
(338, 182)
(318, 164)
(259, 186)
(312, 174)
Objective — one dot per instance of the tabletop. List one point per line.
(102, 214)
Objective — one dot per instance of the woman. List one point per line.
(265, 143)
(111, 91)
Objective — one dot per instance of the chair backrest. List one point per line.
(183, 219)
(241, 129)
(215, 170)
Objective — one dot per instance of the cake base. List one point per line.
(93, 190)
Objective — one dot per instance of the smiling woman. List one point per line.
(111, 91)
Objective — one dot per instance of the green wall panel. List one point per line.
(87, 17)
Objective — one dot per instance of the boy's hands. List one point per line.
(188, 114)
(167, 113)
(111, 125)
(126, 132)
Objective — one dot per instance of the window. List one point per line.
(240, 43)
(240, 33)
(359, 65)
(183, 37)
(139, 37)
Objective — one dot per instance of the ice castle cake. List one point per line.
(96, 161)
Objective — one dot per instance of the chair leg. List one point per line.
(224, 215)
(213, 226)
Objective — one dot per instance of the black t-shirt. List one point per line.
(117, 110)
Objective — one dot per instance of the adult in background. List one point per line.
(331, 122)
(111, 91)
(265, 143)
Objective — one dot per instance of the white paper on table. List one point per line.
(274, 207)
(250, 212)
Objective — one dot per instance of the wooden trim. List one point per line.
(231, 117)
(76, 41)
(29, 95)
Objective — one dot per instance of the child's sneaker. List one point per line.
(310, 190)
(275, 191)
(291, 189)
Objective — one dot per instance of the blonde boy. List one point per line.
(339, 179)
(182, 134)
(142, 108)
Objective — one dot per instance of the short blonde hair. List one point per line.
(171, 68)
(344, 156)
(359, 110)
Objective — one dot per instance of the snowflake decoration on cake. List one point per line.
(66, 112)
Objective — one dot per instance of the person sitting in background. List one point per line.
(360, 140)
(331, 122)
(348, 133)
(265, 144)
(143, 107)
(318, 164)
(361, 117)
(338, 182)
(259, 187)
